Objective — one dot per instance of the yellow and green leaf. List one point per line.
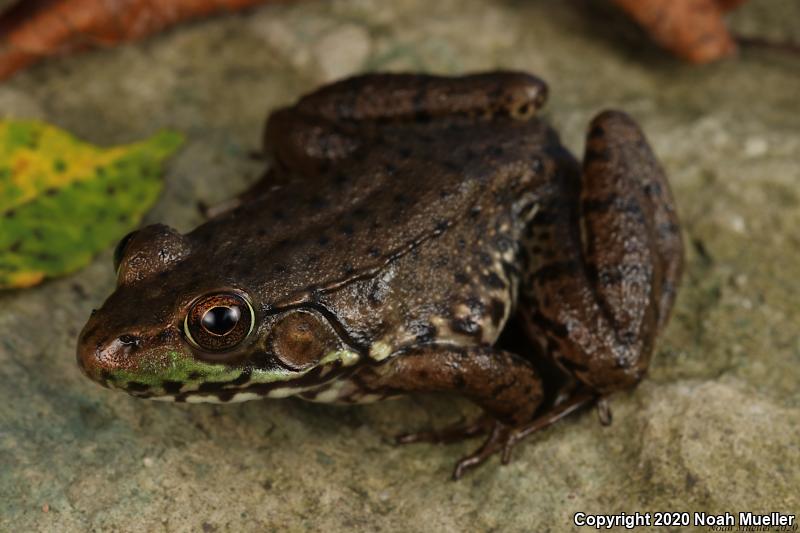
(63, 200)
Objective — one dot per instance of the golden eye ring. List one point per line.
(219, 321)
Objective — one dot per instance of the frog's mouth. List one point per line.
(177, 374)
(194, 381)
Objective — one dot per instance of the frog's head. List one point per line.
(178, 329)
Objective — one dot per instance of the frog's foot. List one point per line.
(503, 438)
(455, 433)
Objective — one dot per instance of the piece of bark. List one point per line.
(34, 29)
(691, 29)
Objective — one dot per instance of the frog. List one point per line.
(405, 223)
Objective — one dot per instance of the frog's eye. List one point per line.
(219, 321)
(122, 246)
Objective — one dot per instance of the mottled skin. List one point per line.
(406, 220)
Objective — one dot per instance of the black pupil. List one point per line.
(221, 320)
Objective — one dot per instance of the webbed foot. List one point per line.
(502, 437)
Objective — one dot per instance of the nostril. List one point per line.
(130, 340)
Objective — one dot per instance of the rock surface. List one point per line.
(715, 427)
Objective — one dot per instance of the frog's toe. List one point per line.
(604, 412)
(501, 439)
(455, 433)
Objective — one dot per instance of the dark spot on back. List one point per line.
(596, 132)
(652, 189)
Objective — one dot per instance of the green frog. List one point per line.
(405, 222)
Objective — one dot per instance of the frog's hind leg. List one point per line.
(389, 97)
(333, 123)
(606, 269)
(625, 198)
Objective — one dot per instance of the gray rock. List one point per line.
(714, 427)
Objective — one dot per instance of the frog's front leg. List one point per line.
(609, 264)
(504, 384)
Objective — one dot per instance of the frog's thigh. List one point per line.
(504, 384)
(599, 302)
(419, 96)
(621, 175)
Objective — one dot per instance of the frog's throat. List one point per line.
(189, 380)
